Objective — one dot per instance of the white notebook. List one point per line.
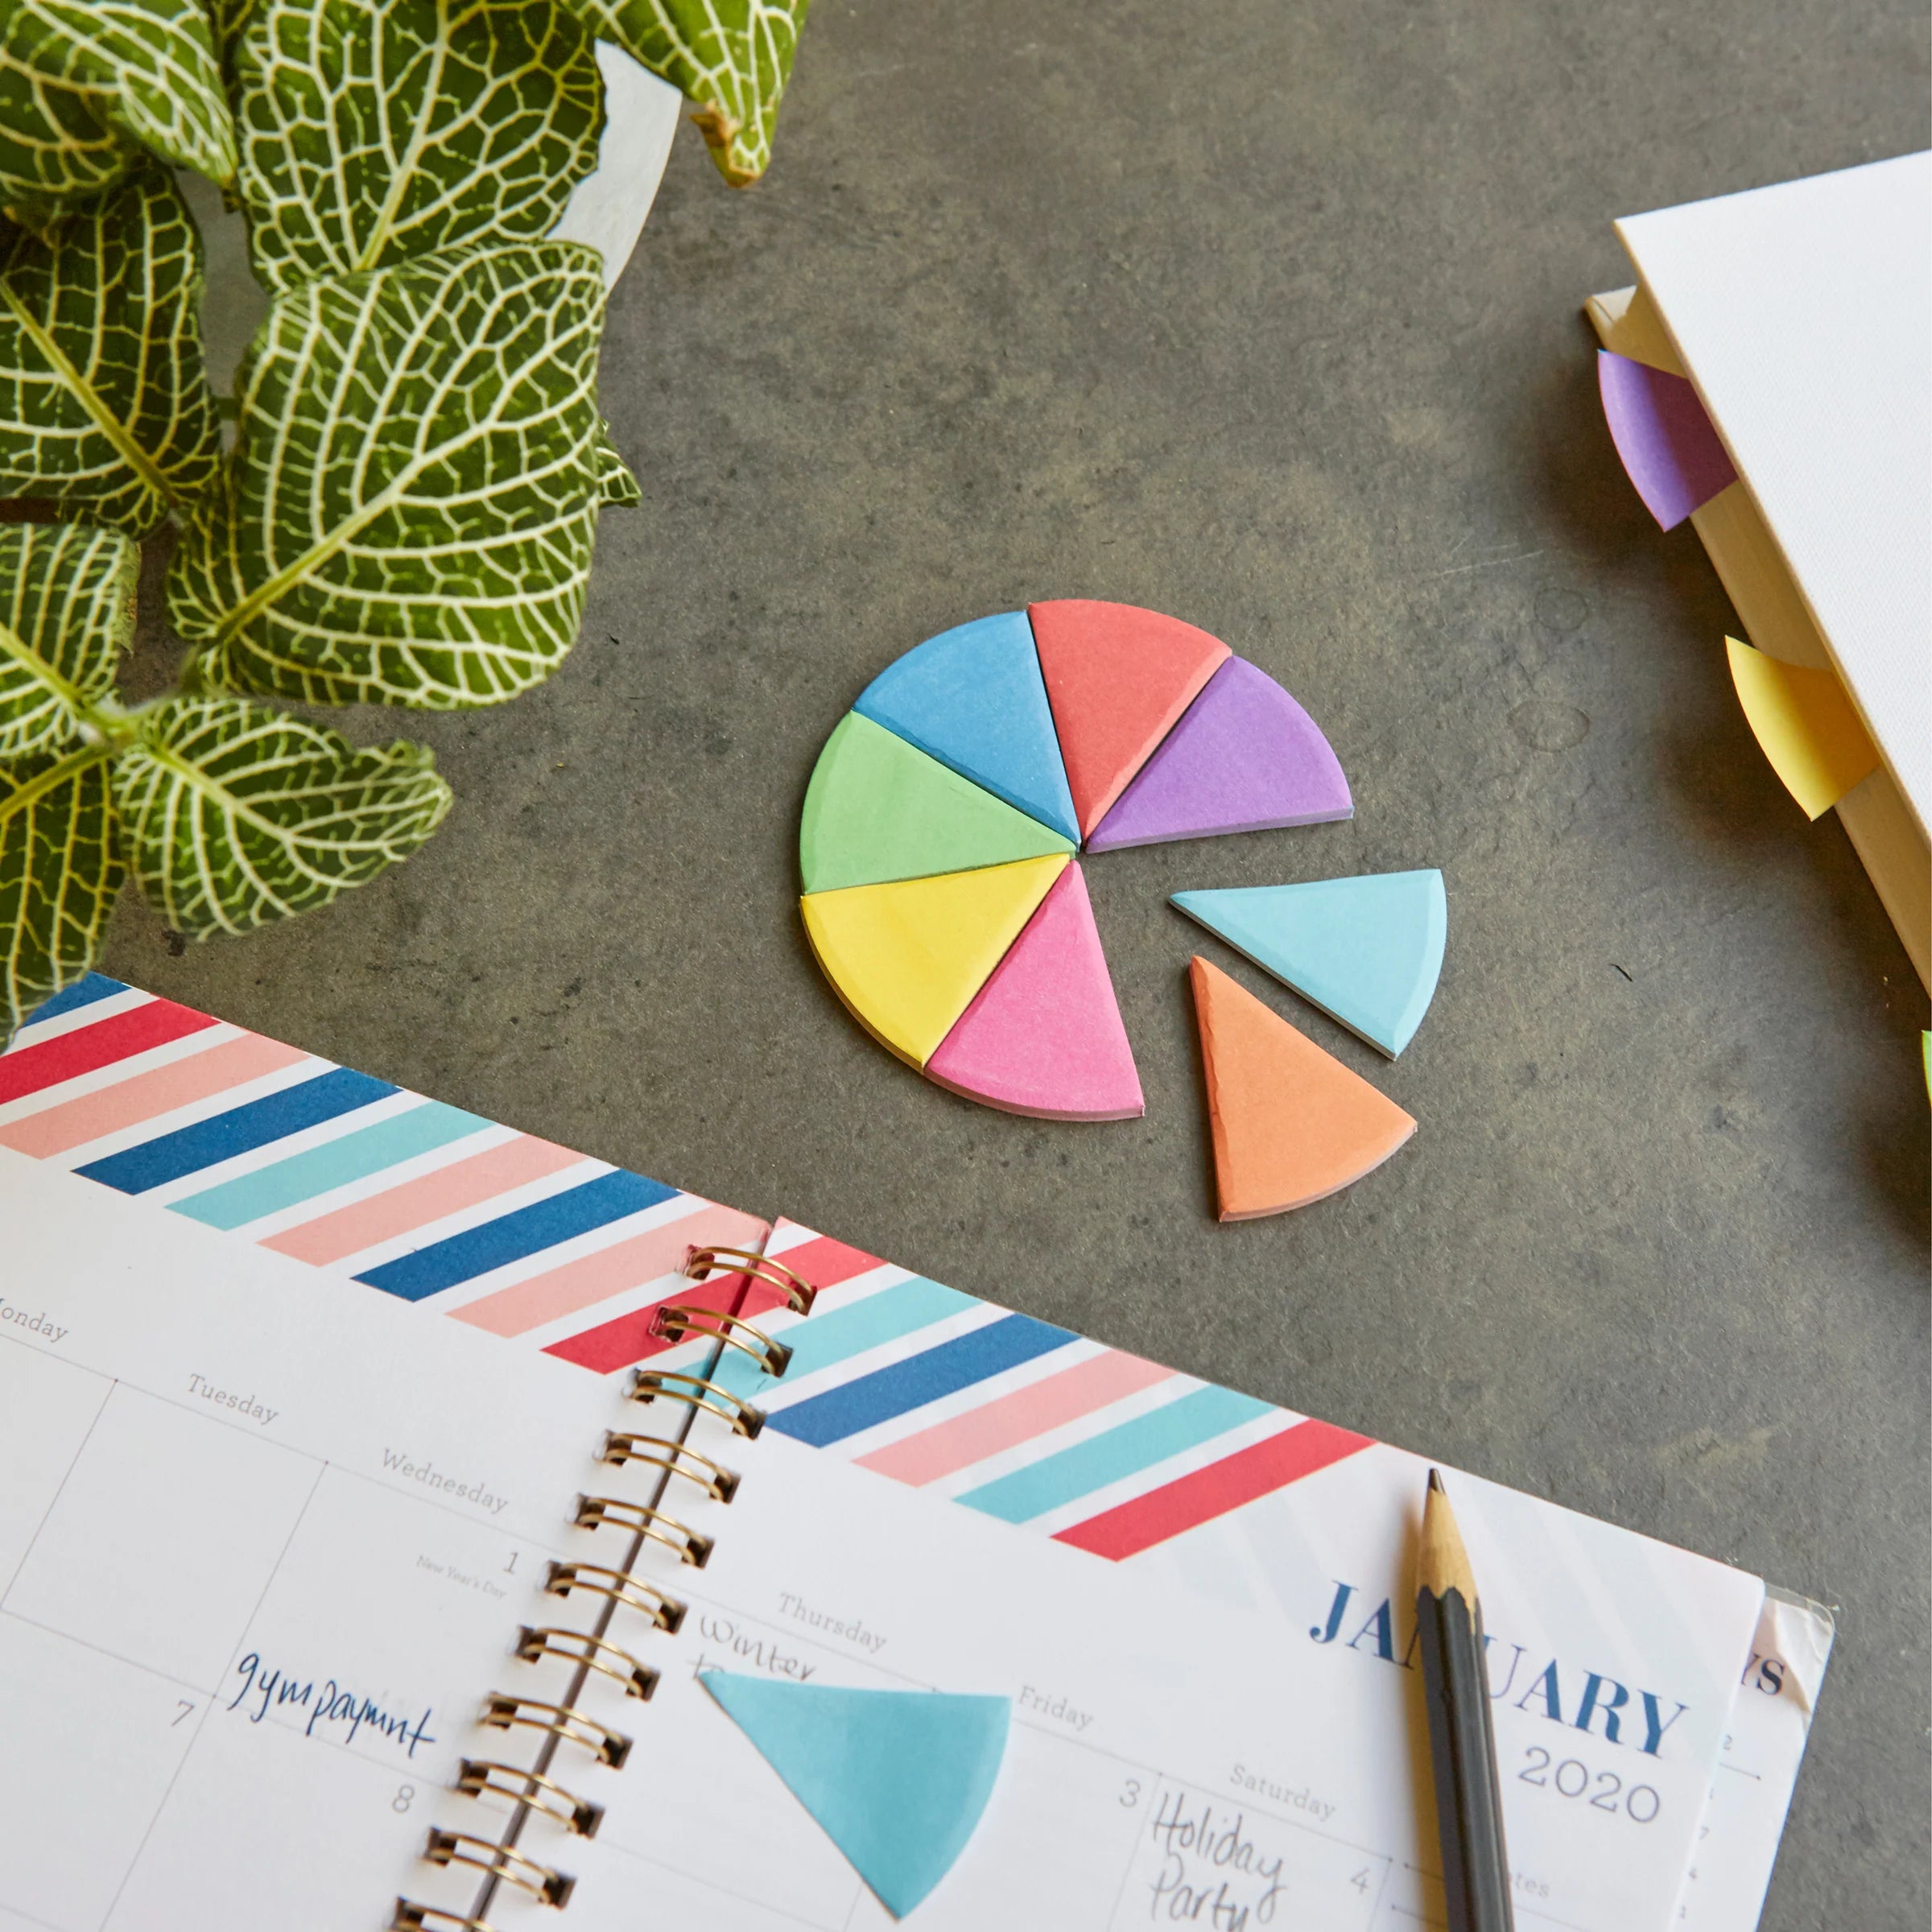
(1799, 312)
(267, 1547)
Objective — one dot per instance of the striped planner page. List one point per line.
(366, 1180)
(359, 1179)
(1014, 1418)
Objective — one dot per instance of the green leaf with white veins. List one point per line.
(373, 131)
(58, 876)
(86, 84)
(730, 59)
(410, 506)
(226, 18)
(66, 612)
(618, 484)
(233, 815)
(53, 146)
(103, 405)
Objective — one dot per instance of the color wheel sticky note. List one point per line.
(1044, 1035)
(1805, 724)
(1289, 1123)
(906, 957)
(1366, 950)
(879, 809)
(973, 698)
(897, 1779)
(1244, 758)
(987, 749)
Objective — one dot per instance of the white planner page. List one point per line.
(264, 1548)
(266, 1545)
(1764, 1744)
(1170, 1761)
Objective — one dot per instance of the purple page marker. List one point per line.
(1244, 758)
(1669, 449)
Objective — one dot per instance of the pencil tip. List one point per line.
(1442, 1562)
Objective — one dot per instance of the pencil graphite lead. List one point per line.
(1443, 1564)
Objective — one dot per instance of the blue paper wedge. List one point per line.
(973, 698)
(1366, 950)
(897, 1779)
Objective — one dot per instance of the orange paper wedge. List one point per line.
(1290, 1123)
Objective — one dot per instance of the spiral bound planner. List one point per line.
(384, 1486)
(619, 1592)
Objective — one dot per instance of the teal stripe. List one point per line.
(840, 1333)
(1121, 1451)
(335, 1164)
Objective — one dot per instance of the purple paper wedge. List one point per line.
(1669, 449)
(1244, 758)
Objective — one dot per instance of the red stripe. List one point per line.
(824, 1263)
(28, 1069)
(1192, 1499)
(821, 1261)
(628, 1339)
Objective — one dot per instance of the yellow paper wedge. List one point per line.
(907, 957)
(1816, 742)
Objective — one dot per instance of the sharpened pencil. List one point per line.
(1462, 1745)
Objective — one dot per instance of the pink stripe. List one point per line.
(630, 1337)
(1015, 1419)
(147, 1095)
(413, 1204)
(594, 1278)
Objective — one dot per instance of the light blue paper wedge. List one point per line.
(1366, 950)
(973, 698)
(897, 1779)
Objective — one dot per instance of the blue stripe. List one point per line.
(83, 992)
(240, 1130)
(557, 1217)
(919, 1379)
(1121, 1451)
(303, 1176)
(829, 1338)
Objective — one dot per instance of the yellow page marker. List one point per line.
(908, 956)
(1805, 725)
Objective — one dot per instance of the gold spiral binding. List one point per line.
(500, 1861)
(529, 1788)
(413, 1917)
(621, 1587)
(638, 1680)
(797, 1292)
(593, 1512)
(501, 1711)
(676, 1320)
(476, 1776)
(648, 1385)
(720, 1484)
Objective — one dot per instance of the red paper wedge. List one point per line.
(1118, 678)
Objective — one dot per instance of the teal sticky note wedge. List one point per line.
(974, 699)
(1366, 950)
(897, 1779)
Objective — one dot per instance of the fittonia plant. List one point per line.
(406, 512)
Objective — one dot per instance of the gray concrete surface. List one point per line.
(1265, 315)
